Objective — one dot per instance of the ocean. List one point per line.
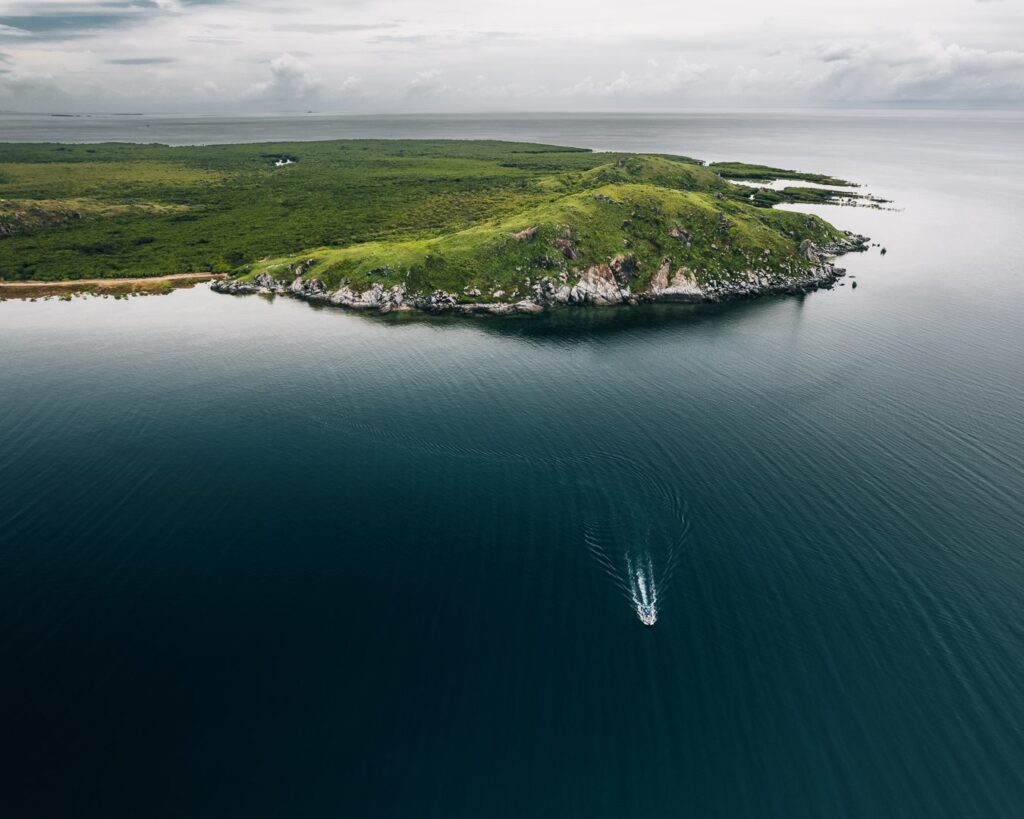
(262, 558)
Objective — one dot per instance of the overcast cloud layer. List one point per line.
(238, 56)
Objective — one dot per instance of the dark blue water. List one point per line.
(262, 559)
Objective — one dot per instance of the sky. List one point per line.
(401, 56)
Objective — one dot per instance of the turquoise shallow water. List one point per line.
(259, 558)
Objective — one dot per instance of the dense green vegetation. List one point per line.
(767, 197)
(761, 173)
(429, 214)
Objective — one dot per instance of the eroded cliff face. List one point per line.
(598, 285)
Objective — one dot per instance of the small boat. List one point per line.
(647, 613)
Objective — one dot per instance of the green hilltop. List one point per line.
(465, 217)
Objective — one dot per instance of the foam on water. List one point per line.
(638, 549)
(645, 590)
(624, 542)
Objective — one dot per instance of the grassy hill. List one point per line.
(448, 215)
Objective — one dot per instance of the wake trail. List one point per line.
(635, 544)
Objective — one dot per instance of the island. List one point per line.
(474, 227)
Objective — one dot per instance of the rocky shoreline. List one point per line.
(598, 285)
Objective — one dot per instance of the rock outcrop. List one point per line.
(598, 285)
(567, 248)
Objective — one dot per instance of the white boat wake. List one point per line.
(638, 545)
(634, 575)
(639, 551)
(644, 590)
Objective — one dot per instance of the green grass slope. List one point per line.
(741, 170)
(714, 238)
(433, 215)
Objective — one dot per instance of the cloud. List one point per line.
(290, 80)
(419, 56)
(747, 82)
(337, 28)
(451, 39)
(7, 31)
(143, 61)
(838, 52)
(425, 84)
(654, 80)
(406, 38)
(348, 87)
(215, 39)
(925, 68)
(57, 20)
(31, 91)
(68, 24)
